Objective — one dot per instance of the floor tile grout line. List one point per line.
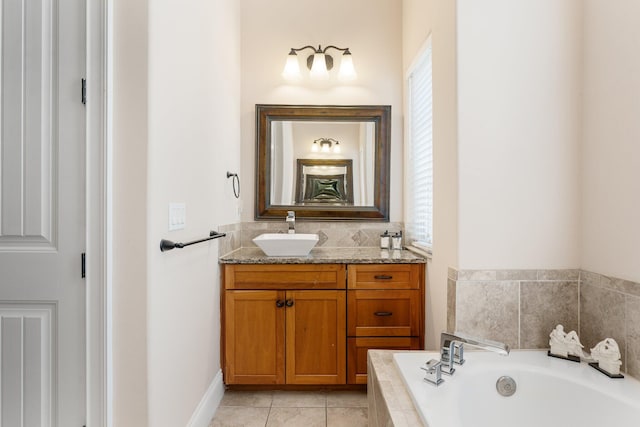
(269, 413)
(267, 420)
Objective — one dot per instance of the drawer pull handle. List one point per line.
(383, 277)
(279, 303)
(383, 313)
(289, 303)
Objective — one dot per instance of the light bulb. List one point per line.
(347, 70)
(292, 68)
(319, 67)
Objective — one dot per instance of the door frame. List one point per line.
(98, 214)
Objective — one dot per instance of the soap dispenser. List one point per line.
(396, 241)
(384, 240)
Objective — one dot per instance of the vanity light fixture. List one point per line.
(319, 64)
(324, 145)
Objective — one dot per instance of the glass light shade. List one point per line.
(347, 71)
(292, 68)
(314, 147)
(336, 148)
(326, 146)
(319, 67)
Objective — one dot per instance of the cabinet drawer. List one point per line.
(357, 353)
(385, 276)
(379, 313)
(285, 276)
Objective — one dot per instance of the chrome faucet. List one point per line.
(452, 352)
(291, 220)
(433, 372)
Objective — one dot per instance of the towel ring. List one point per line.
(236, 184)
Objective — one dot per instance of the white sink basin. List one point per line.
(278, 244)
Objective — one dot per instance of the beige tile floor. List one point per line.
(291, 409)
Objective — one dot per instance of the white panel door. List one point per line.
(42, 213)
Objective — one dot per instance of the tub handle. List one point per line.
(383, 313)
(433, 372)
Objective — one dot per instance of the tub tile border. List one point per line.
(628, 294)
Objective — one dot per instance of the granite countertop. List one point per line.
(254, 255)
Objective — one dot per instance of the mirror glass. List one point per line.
(323, 162)
(350, 166)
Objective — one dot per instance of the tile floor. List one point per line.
(292, 409)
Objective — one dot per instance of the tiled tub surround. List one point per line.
(389, 401)
(518, 307)
(521, 307)
(333, 234)
(610, 307)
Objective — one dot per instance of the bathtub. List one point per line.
(550, 392)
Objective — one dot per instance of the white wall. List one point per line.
(176, 133)
(372, 31)
(506, 135)
(611, 139)
(519, 83)
(420, 19)
(194, 133)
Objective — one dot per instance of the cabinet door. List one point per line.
(316, 337)
(254, 337)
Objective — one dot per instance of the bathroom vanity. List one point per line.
(311, 320)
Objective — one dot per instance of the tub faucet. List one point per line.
(451, 349)
(291, 220)
(433, 372)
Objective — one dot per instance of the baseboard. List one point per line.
(210, 401)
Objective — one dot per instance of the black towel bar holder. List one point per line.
(167, 245)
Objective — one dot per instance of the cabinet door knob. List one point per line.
(383, 277)
(279, 303)
(289, 303)
(383, 313)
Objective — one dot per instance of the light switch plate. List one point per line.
(177, 216)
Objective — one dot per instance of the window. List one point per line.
(419, 153)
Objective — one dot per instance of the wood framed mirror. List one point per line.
(323, 162)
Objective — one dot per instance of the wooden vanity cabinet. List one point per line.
(385, 311)
(311, 324)
(284, 324)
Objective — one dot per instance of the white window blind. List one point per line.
(419, 205)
